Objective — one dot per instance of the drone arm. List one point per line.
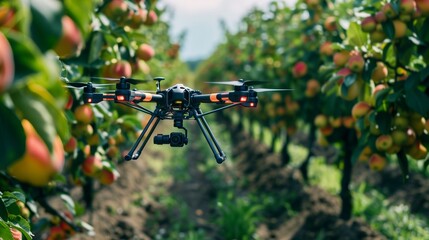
(208, 134)
(146, 97)
(245, 98)
(97, 97)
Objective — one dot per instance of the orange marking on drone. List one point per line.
(120, 98)
(148, 97)
(213, 97)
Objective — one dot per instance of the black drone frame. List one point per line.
(177, 103)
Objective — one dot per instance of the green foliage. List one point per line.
(237, 217)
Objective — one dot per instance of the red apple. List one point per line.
(368, 24)
(71, 145)
(118, 69)
(343, 72)
(313, 88)
(137, 18)
(379, 73)
(16, 234)
(108, 176)
(330, 23)
(84, 114)
(71, 40)
(341, 58)
(389, 11)
(417, 151)
(299, 69)
(326, 49)
(7, 66)
(383, 142)
(411, 137)
(151, 19)
(380, 17)
(352, 92)
(423, 7)
(55, 233)
(377, 162)
(360, 109)
(400, 28)
(38, 165)
(356, 62)
(92, 165)
(145, 52)
(116, 10)
(407, 6)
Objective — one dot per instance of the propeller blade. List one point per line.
(271, 89)
(81, 85)
(129, 80)
(240, 82)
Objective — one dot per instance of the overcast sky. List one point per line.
(201, 20)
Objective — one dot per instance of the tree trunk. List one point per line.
(311, 138)
(285, 152)
(345, 194)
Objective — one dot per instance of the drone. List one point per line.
(177, 103)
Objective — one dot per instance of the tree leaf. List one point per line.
(80, 11)
(27, 57)
(46, 27)
(418, 101)
(5, 233)
(33, 109)
(355, 35)
(12, 137)
(3, 210)
(389, 29)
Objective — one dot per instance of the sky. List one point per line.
(201, 21)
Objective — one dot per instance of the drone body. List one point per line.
(177, 103)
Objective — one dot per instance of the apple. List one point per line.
(427, 125)
(84, 114)
(368, 24)
(355, 62)
(107, 176)
(417, 151)
(407, 6)
(299, 69)
(145, 52)
(353, 91)
(377, 36)
(377, 162)
(16, 234)
(399, 137)
(322, 141)
(383, 142)
(321, 121)
(423, 7)
(378, 89)
(137, 18)
(38, 165)
(71, 40)
(91, 165)
(312, 3)
(7, 66)
(151, 19)
(112, 152)
(117, 69)
(71, 145)
(418, 125)
(341, 58)
(365, 154)
(400, 28)
(82, 130)
(335, 122)
(326, 49)
(348, 121)
(7, 17)
(313, 88)
(330, 23)
(380, 17)
(379, 73)
(343, 72)
(360, 109)
(400, 122)
(326, 131)
(116, 10)
(93, 140)
(389, 11)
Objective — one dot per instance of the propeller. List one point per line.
(271, 89)
(128, 80)
(240, 82)
(88, 84)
